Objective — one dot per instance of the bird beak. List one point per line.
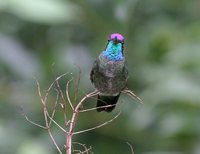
(115, 40)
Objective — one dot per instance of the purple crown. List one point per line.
(116, 36)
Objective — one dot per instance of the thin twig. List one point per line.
(65, 114)
(86, 150)
(63, 102)
(99, 126)
(33, 123)
(131, 94)
(56, 123)
(83, 152)
(58, 86)
(67, 93)
(39, 92)
(45, 111)
(131, 147)
(54, 108)
(49, 131)
(94, 108)
(47, 93)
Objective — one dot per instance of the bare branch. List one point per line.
(59, 77)
(131, 94)
(86, 150)
(54, 142)
(99, 126)
(69, 134)
(46, 96)
(45, 111)
(49, 130)
(64, 114)
(56, 123)
(33, 123)
(70, 124)
(59, 89)
(94, 108)
(54, 109)
(63, 102)
(131, 147)
(83, 152)
(39, 92)
(67, 93)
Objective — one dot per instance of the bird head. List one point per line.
(116, 38)
(114, 47)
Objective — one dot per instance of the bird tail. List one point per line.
(105, 101)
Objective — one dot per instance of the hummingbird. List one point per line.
(109, 73)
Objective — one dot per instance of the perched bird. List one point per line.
(109, 73)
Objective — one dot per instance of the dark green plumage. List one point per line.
(109, 74)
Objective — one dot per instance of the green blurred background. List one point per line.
(46, 38)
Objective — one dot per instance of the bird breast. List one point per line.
(111, 68)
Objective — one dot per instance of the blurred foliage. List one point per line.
(46, 38)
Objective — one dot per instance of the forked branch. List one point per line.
(76, 109)
(69, 134)
(134, 96)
